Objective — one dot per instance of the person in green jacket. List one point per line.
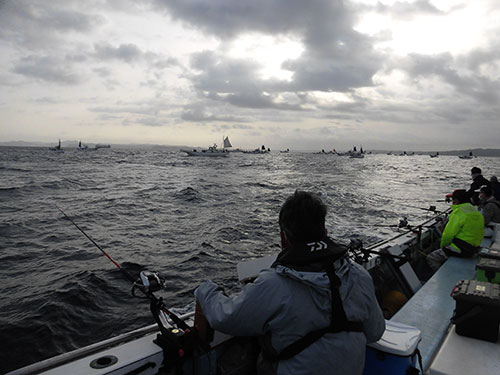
(463, 233)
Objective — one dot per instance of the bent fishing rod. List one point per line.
(151, 282)
(410, 230)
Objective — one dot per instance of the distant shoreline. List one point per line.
(494, 152)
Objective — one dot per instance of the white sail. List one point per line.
(227, 144)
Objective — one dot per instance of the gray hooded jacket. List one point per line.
(288, 304)
(490, 209)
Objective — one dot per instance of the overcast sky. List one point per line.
(304, 75)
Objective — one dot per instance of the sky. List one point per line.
(305, 75)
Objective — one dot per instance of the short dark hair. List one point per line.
(461, 195)
(302, 217)
(475, 170)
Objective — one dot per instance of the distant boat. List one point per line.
(99, 145)
(261, 150)
(435, 155)
(83, 147)
(470, 156)
(358, 155)
(285, 151)
(57, 148)
(212, 151)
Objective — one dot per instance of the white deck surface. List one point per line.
(460, 355)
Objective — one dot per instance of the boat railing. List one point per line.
(91, 349)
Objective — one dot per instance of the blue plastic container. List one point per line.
(395, 352)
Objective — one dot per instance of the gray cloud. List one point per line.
(126, 52)
(443, 66)
(102, 71)
(46, 68)
(336, 57)
(37, 24)
(407, 10)
(198, 113)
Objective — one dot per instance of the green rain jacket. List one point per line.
(465, 223)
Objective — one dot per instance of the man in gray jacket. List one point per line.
(488, 205)
(314, 309)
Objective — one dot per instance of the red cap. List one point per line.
(460, 194)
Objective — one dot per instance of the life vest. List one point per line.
(314, 256)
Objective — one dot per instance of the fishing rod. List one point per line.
(356, 245)
(148, 283)
(430, 209)
(409, 230)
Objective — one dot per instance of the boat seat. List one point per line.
(431, 308)
(487, 242)
(496, 238)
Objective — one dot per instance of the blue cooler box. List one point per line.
(395, 352)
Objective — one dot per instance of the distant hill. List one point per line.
(74, 144)
(475, 151)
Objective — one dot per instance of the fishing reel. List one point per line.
(403, 223)
(358, 253)
(148, 282)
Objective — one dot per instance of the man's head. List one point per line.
(302, 218)
(458, 196)
(475, 171)
(485, 192)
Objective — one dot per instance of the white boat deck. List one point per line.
(460, 355)
(443, 351)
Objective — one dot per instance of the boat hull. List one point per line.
(206, 153)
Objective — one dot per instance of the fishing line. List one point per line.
(128, 275)
(145, 279)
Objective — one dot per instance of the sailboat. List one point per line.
(212, 151)
(354, 154)
(57, 148)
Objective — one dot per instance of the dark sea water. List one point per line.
(188, 218)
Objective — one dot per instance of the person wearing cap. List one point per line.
(488, 205)
(495, 186)
(463, 233)
(477, 181)
(314, 310)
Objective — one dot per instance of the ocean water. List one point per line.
(189, 218)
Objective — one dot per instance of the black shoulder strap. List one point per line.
(338, 323)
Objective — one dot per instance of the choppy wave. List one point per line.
(188, 218)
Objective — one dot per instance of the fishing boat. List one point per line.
(57, 148)
(82, 147)
(212, 151)
(100, 145)
(357, 155)
(434, 155)
(182, 344)
(470, 156)
(261, 150)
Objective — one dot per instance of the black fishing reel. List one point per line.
(358, 253)
(148, 282)
(403, 223)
